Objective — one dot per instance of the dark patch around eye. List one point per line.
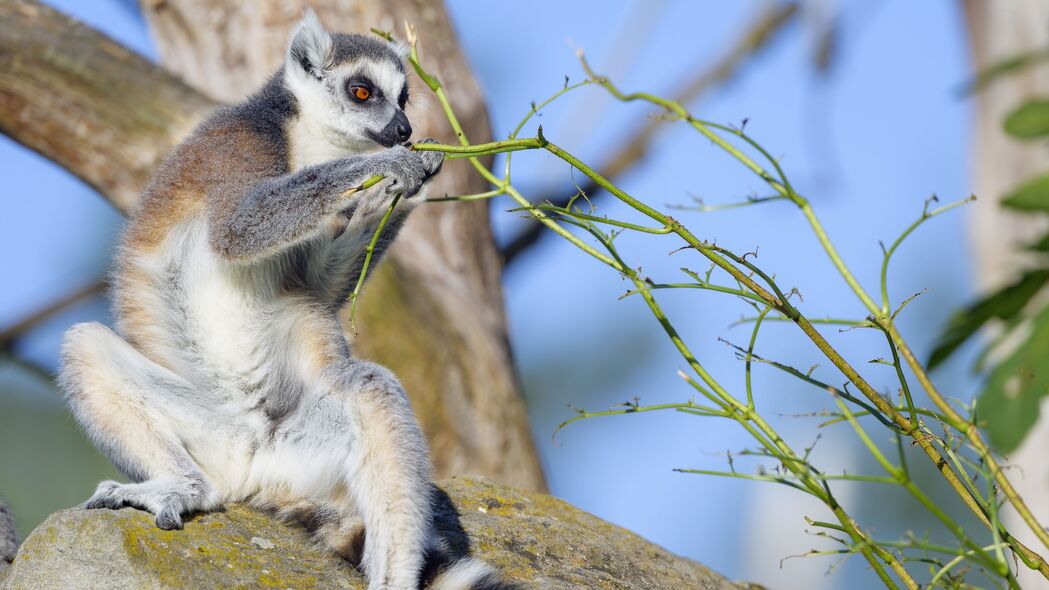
(361, 81)
(403, 98)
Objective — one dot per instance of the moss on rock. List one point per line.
(534, 539)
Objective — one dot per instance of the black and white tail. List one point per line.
(444, 570)
(447, 564)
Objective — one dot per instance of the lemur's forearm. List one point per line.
(278, 213)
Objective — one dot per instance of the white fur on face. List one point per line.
(330, 125)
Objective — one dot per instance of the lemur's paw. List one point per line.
(166, 498)
(169, 519)
(405, 169)
(432, 161)
(105, 496)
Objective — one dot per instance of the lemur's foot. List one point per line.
(167, 498)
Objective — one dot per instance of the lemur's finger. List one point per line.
(169, 519)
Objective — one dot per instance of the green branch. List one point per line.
(761, 291)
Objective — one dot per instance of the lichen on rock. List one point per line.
(537, 541)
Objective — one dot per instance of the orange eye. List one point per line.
(360, 92)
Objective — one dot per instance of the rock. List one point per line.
(537, 541)
(262, 543)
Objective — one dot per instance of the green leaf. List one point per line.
(1007, 416)
(1008, 406)
(1033, 195)
(1003, 304)
(1030, 121)
(1004, 68)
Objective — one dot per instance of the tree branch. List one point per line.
(10, 335)
(88, 103)
(636, 144)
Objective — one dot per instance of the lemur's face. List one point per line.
(373, 95)
(352, 89)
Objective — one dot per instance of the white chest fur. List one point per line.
(311, 143)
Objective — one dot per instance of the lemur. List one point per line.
(229, 377)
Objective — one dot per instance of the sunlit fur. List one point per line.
(229, 378)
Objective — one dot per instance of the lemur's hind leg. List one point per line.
(119, 398)
(389, 475)
(356, 456)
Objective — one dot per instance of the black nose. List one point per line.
(397, 130)
(404, 131)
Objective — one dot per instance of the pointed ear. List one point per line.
(310, 49)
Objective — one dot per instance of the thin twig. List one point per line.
(636, 144)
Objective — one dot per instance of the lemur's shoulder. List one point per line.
(233, 148)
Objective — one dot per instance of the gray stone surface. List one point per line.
(536, 540)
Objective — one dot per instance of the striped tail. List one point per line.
(447, 564)
(466, 573)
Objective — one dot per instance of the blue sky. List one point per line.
(867, 145)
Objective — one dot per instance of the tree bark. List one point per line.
(82, 100)
(1000, 30)
(433, 313)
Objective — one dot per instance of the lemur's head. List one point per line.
(351, 88)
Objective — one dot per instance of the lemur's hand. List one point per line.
(432, 160)
(407, 170)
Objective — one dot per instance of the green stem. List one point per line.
(905, 481)
(945, 470)
(902, 378)
(750, 357)
(926, 215)
(982, 450)
(605, 220)
(474, 197)
(368, 251)
(635, 409)
(703, 286)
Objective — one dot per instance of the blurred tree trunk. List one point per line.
(433, 313)
(1000, 30)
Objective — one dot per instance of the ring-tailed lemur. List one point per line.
(230, 379)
